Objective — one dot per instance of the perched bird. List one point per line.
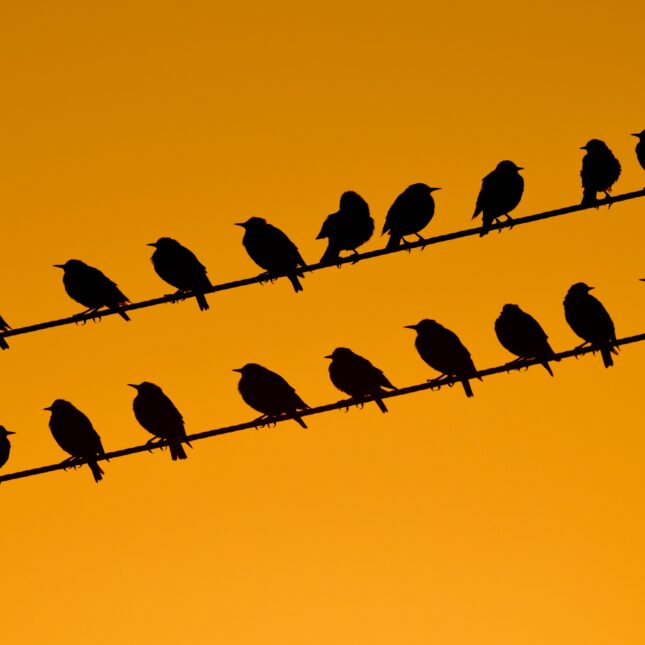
(411, 212)
(590, 320)
(443, 351)
(159, 416)
(272, 250)
(4, 326)
(640, 148)
(179, 267)
(92, 288)
(522, 335)
(346, 229)
(500, 193)
(356, 376)
(267, 392)
(600, 171)
(74, 433)
(5, 446)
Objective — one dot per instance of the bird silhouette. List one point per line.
(640, 147)
(5, 446)
(600, 171)
(411, 212)
(92, 288)
(443, 351)
(180, 268)
(267, 392)
(74, 433)
(522, 335)
(500, 193)
(346, 229)
(272, 250)
(356, 376)
(159, 416)
(590, 320)
(4, 326)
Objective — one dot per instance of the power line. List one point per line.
(338, 405)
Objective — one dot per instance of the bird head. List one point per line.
(595, 145)
(4, 432)
(339, 353)
(508, 167)
(252, 223)
(425, 326)
(420, 189)
(249, 368)
(510, 309)
(145, 387)
(58, 405)
(579, 289)
(70, 265)
(351, 200)
(164, 243)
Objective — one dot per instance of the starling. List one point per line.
(92, 288)
(500, 193)
(590, 320)
(411, 212)
(4, 326)
(522, 335)
(346, 229)
(179, 267)
(159, 416)
(267, 392)
(600, 171)
(272, 250)
(640, 148)
(356, 376)
(443, 351)
(74, 433)
(5, 446)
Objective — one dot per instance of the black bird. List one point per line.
(74, 433)
(356, 376)
(640, 147)
(522, 335)
(267, 392)
(5, 446)
(590, 320)
(180, 268)
(443, 351)
(600, 171)
(159, 416)
(346, 229)
(411, 212)
(4, 326)
(92, 288)
(500, 193)
(272, 250)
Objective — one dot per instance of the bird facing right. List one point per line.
(411, 212)
(600, 171)
(5, 446)
(640, 147)
(4, 326)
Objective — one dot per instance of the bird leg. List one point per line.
(266, 277)
(577, 348)
(179, 295)
(518, 363)
(437, 383)
(71, 462)
(154, 443)
(355, 256)
(265, 420)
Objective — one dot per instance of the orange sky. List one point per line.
(514, 517)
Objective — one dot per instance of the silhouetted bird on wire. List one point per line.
(500, 193)
(356, 376)
(522, 335)
(74, 433)
(272, 250)
(267, 392)
(600, 170)
(5, 446)
(590, 320)
(4, 326)
(92, 288)
(443, 351)
(346, 229)
(180, 268)
(411, 212)
(640, 148)
(159, 416)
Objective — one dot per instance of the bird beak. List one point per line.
(59, 266)
(432, 190)
(330, 356)
(590, 288)
(410, 327)
(242, 224)
(520, 168)
(48, 409)
(9, 432)
(136, 387)
(635, 134)
(238, 370)
(583, 147)
(152, 244)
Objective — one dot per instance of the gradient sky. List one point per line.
(514, 517)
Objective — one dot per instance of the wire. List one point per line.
(429, 385)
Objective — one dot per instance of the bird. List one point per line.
(92, 288)
(411, 212)
(356, 376)
(589, 319)
(522, 335)
(267, 392)
(500, 193)
(159, 416)
(180, 268)
(4, 326)
(272, 250)
(600, 171)
(74, 433)
(640, 147)
(443, 351)
(346, 229)
(5, 446)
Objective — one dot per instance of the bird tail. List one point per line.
(299, 420)
(394, 242)
(122, 314)
(547, 367)
(486, 224)
(381, 405)
(97, 472)
(177, 451)
(3, 343)
(293, 278)
(330, 256)
(605, 352)
(467, 389)
(201, 301)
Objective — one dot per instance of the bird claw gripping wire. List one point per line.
(265, 421)
(154, 443)
(437, 383)
(267, 277)
(176, 297)
(71, 462)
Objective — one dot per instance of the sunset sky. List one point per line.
(513, 518)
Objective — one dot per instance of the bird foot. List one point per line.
(154, 443)
(437, 383)
(71, 462)
(265, 421)
(176, 297)
(267, 277)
